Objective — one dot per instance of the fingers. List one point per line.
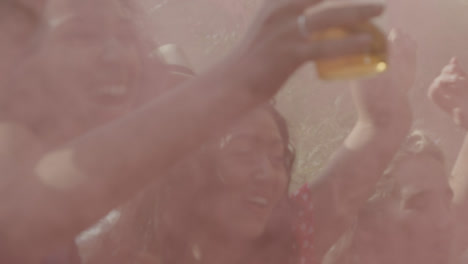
(354, 44)
(454, 60)
(449, 92)
(454, 70)
(341, 15)
(442, 100)
(449, 86)
(441, 93)
(286, 28)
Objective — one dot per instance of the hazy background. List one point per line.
(320, 112)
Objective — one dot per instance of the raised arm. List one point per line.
(73, 186)
(449, 91)
(384, 118)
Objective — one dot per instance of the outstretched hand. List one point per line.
(449, 91)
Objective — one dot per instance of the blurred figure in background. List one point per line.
(418, 215)
(449, 91)
(408, 219)
(409, 215)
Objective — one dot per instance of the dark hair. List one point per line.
(290, 152)
(124, 239)
(275, 245)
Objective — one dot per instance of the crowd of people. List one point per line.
(97, 119)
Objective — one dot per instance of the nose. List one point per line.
(264, 171)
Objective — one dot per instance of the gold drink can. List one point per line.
(355, 66)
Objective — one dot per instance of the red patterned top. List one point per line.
(303, 226)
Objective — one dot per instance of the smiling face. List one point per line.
(84, 74)
(411, 223)
(246, 179)
(102, 58)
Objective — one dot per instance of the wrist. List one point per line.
(397, 116)
(261, 73)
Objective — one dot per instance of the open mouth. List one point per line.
(259, 204)
(258, 207)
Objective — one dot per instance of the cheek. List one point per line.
(232, 175)
(226, 184)
(68, 66)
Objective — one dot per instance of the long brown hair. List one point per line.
(136, 234)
